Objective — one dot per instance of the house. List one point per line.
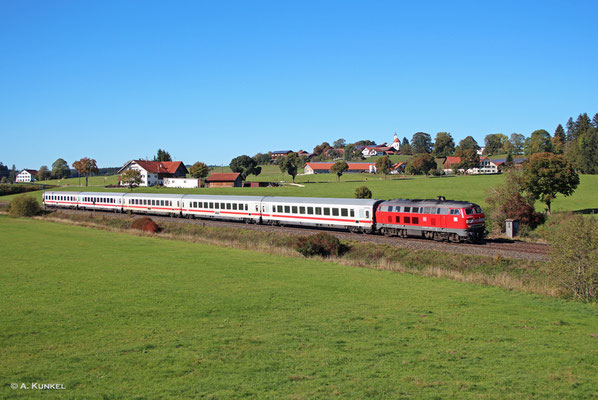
(324, 168)
(154, 172)
(182, 182)
(26, 175)
(219, 179)
(450, 163)
(488, 166)
(398, 168)
(369, 151)
(280, 153)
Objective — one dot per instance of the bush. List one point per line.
(363, 192)
(145, 224)
(574, 257)
(321, 244)
(24, 206)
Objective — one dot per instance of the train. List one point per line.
(438, 219)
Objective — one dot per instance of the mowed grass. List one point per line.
(469, 188)
(118, 316)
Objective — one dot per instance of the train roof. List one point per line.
(322, 200)
(222, 197)
(429, 203)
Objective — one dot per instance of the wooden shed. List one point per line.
(224, 180)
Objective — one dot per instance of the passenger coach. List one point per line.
(238, 208)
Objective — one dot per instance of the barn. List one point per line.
(219, 179)
(324, 167)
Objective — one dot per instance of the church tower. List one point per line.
(396, 143)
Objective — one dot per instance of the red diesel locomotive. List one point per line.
(433, 219)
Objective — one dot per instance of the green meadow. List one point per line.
(117, 316)
(468, 187)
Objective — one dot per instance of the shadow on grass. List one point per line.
(587, 211)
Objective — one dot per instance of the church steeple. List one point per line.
(396, 143)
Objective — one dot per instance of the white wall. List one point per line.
(181, 182)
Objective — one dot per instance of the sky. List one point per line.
(211, 80)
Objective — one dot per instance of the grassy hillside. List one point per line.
(93, 181)
(121, 316)
(471, 188)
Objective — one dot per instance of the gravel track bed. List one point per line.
(506, 249)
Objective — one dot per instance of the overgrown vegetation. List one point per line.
(145, 224)
(24, 206)
(9, 189)
(574, 257)
(320, 244)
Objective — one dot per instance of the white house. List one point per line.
(396, 143)
(154, 172)
(26, 175)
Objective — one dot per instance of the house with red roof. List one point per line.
(324, 167)
(154, 172)
(26, 175)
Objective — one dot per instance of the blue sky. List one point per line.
(207, 81)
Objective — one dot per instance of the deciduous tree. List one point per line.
(495, 143)
(540, 142)
(290, 164)
(469, 143)
(470, 159)
(60, 169)
(339, 168)
(43, 173)
(547, 174)
(245, 165)
(444, 145)
(130, 178)
(422, 164)
(383, 165)
(200, 170)
(339, 143)
(421, 143)
(85, 167)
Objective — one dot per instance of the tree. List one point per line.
(3, 171)
(130, 178)
(338, 168)
(573, 259)
(200, 170)
(570, 128)
(559, 140)
(595, 120)
(363, 192)
(262, 159)
(383, 165)
(364, 143)
(245, 165)
(470, 159)
(339, 144)
(588, 151)
(421, 143)
(290, 164)
(547, 174)
(351, 153)
(85, 167)
(162, 155)
(540, 142)
(509, 161)
(516, 142)
(406, 147)
(422, 164)
(321, 148)
(495, 143)
(43, 173)
(509, 201)
(469, 143)
(444, 145)
(60, 169)
(12, 174)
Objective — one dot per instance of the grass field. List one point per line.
(470, 187)
(119, 316)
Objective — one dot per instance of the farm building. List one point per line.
(324, 167)
(218, 179)
(26, 175)
(487, 165)
(182, 182)
(154, 172)
(280, 153)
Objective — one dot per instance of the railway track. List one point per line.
(502, 248)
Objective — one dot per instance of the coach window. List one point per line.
(389, 208)
(234, 206)
(211, 205)
(287, 209)
(407, 220)
(217, 206)
(294, 209)
(352, 211)
(415, 210)
(335, 212)
(397, 220)
(246, 207)
(367, 213)
(344, 212)
(326, 211)
(310, 210)
(454, 212)
(301, 210)
(228, 207)
(426, 210)
(318, 211)
(407, 209)
(222, 206)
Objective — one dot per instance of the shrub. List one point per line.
(24, 206)
(145, 224)
(363, 192)
(320, 244)
(574, 257)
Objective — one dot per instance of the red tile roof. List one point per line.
(160, 167)
(223, 177)
(451, 161)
